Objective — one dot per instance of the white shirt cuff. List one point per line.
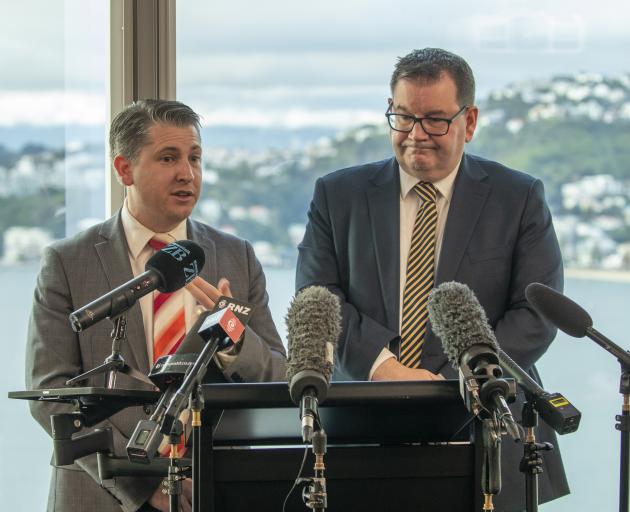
(382, 357)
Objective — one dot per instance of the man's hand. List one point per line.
(391, 369)
(160, 500)
(207, 294)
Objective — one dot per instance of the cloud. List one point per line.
(54, 44)
(51, 108)
(291, 118)
(322, 68)
(59, 108)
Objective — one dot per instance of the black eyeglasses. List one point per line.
(431, 125)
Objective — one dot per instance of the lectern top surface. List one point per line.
(69, 394)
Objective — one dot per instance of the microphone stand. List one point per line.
(114, 362)
(173, 483)
(480, 393)
(196, 406)
(188, 394)
(623, 419)
(314, 493)
(623, 425)
(531, 463)
(491, 466)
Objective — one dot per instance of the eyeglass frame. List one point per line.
(416, 120)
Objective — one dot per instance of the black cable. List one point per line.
(465, 425)
(297, 479)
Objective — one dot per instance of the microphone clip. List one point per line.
(486, 394)
(314, 493)
(309, 414)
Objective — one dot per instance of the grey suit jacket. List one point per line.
(77, 270)
(498, 238)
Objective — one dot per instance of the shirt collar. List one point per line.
(138, 235)
(444, 186)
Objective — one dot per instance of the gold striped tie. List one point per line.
(419, 281)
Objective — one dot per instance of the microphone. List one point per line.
(570, 318)
(176, 376)
(221, 330)
(554, 408)
(168, 270)
(470, 345)
(313, 326)
(167, 374)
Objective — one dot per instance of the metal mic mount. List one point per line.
(114, 362)
(309, 413)
(531, 463)
(483, 394)
(486, 395)
(314, 493)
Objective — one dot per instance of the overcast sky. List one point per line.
(286, 61)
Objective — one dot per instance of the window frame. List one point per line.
(142, 65)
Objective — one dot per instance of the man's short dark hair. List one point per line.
(428, 65)
(129, 131)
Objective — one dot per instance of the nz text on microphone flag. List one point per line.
(470, 345)
(169, 269)
(313, 326)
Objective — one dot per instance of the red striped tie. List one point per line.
(169, 329)
(169, 320)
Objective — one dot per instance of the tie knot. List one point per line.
(157, 244)
(426, 191)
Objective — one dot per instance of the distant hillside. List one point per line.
(557, 151)
(563, 130)
(560, 151)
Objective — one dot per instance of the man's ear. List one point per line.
(471, 122)
(123, 170)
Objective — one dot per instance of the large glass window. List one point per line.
(52, 184)
(290, 91)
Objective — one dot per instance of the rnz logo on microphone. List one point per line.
(179, 252)
(231, 325)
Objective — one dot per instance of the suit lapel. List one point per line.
(384, 219)
(113, 254)
(209, 270)
(469, 196)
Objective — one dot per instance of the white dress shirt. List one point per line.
(138, 237)
(409, 205)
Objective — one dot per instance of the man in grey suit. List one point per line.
(454, 217)
(156, 151)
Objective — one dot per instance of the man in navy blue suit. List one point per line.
(490, 228)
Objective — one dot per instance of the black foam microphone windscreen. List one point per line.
(561, 311)
(313, 326)
(177, 263)
(459, 320)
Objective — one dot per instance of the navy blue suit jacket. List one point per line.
(498, 238)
